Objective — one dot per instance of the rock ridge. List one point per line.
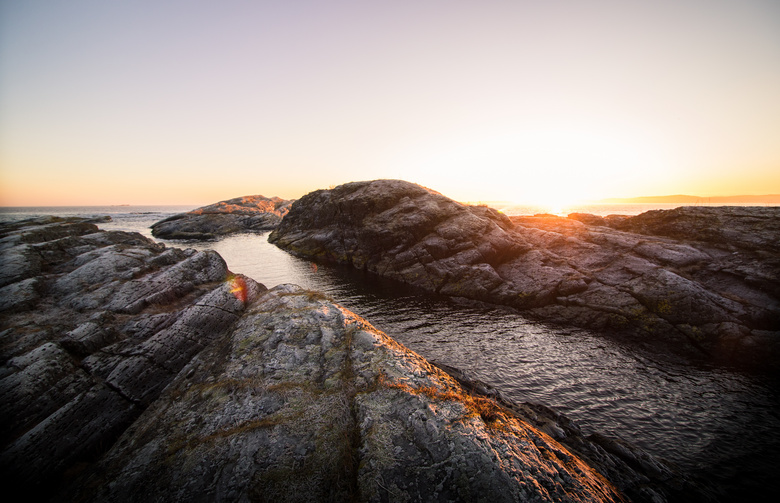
(93, 326)
(702, 281)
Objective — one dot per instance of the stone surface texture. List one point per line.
(93, 326)
(136, 372)
(241, 214)
(703, 281)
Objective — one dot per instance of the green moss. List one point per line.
(697, 334)
(662, 306)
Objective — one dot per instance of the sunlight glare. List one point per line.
(551, 167)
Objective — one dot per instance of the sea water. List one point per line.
(719, 423)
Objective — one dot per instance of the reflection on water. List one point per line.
(703, 419)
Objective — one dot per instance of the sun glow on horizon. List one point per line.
(552, 167)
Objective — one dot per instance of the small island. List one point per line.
(241, 214)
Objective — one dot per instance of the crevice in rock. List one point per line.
(121, 393)
(351, 463)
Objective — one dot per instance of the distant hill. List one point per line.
(683, 199)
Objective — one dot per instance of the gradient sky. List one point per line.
(191, 102)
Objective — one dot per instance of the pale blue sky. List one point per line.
(152, 102)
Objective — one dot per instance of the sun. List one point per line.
(553, 167)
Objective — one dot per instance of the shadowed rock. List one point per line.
(242, 214)
(714, 292)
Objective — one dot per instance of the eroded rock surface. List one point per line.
(242, 214)
(701, 282)
(93, 326)
(305, 401)
(138, 372)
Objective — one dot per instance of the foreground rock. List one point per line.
(242, 214)
(93, 326)
(699, 296)
(319, 406)
(134, 372)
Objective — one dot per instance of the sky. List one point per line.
(192, 102)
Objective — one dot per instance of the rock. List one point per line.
(144, 372)
(637, 474)
(305, 401)
(242, 214)
(77, 369)
(587, 218)
(667, 285)
(731, 227)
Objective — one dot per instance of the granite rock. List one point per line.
(93, 326)
(241, 214)
(305, 401)
(712, 293)
(140, 372)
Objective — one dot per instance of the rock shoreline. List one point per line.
(241, 214)
(702, 282)
(132, 371)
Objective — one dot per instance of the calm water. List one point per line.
(711, 421)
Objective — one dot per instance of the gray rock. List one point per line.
(242, 214)
(220, 390)
(98, 327)
(305, 401)
(677, 279)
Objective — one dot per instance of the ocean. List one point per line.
(716, 423)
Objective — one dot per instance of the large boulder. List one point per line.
(241, 214)
(698, 297)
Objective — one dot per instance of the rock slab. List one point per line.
(93, 326)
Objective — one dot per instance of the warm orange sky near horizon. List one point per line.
(192, 102)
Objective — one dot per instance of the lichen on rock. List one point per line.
(305, 401)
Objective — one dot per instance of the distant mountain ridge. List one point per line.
(685, 199)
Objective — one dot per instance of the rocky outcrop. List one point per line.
(734, 228)
(671, 287)
(320, 406)
(93, 326)
(140, 372)
(242, 214)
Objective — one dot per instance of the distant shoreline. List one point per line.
(771, 199)
(685, 199)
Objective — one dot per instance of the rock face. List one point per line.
(242, 214)
(320, 406)
(94, 325)
(657, 281)
(135, 372)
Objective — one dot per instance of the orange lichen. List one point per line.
(492, 414)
